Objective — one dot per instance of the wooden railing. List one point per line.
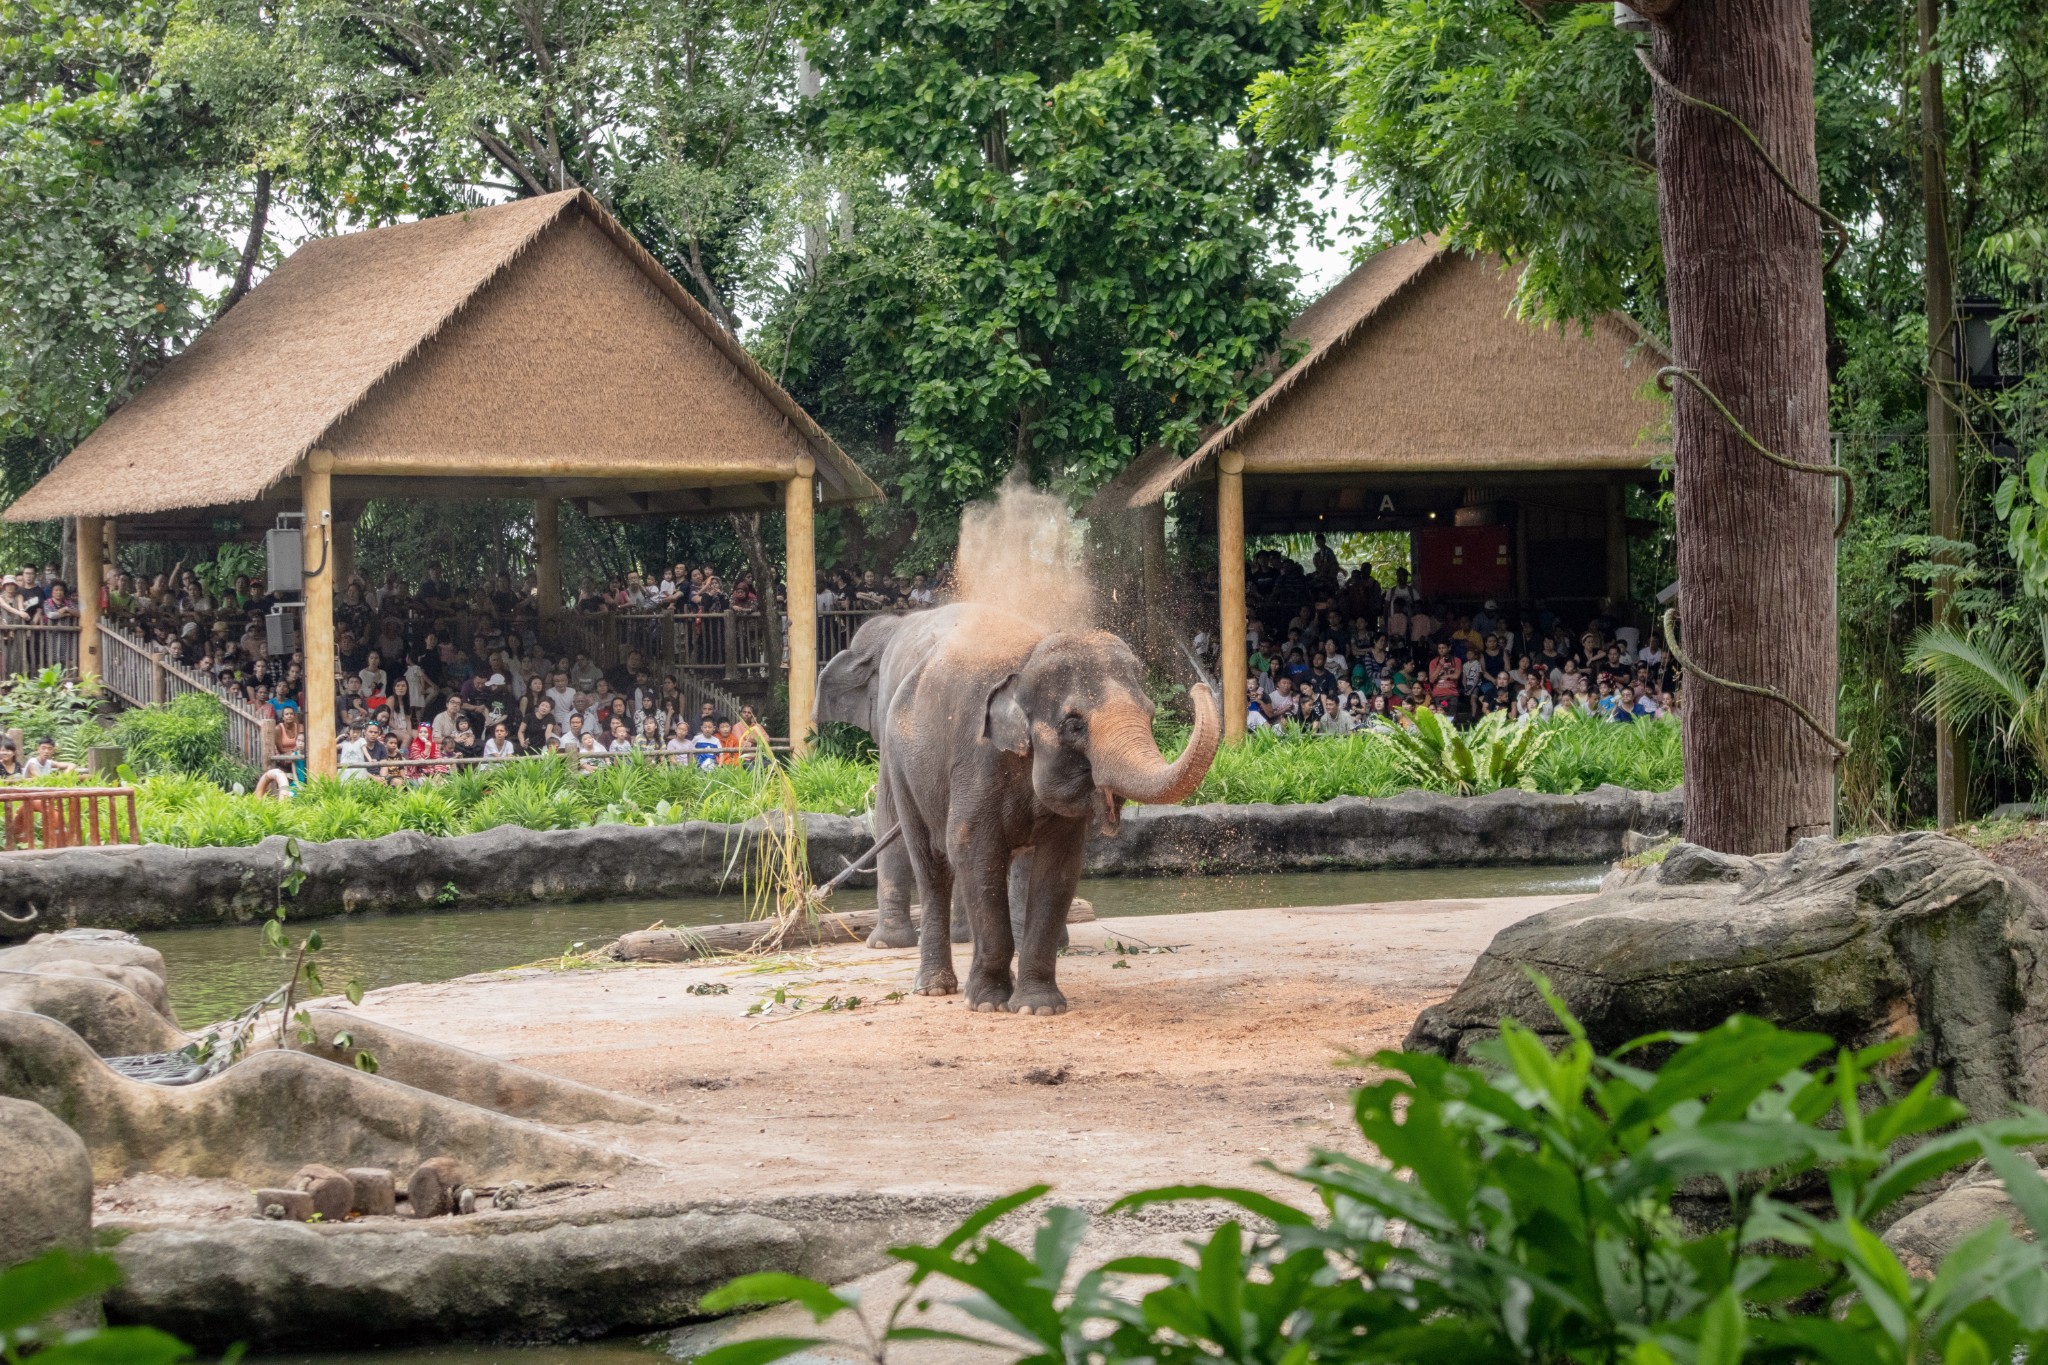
(66, 817)
(140, 678)
(31, 649)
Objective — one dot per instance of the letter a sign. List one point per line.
(1386, 502)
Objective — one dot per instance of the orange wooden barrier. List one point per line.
(66, 817)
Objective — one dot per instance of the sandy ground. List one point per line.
(1196, 1048)
(1211, 1044)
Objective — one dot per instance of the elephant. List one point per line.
(1003, 744)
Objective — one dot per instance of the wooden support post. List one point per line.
(1944, 470)
(317, 487)
(547, 553)
(1230, 625)
(1522, 553)
(799, 515)
(1617, 546)
(92, 544)
(344, 556)
(1156, 610)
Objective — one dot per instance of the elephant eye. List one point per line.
(1073, 724)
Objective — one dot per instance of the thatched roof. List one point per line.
(1414, 363)
(516, 343)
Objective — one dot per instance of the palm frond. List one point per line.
(1993, 675)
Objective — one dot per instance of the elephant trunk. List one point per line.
(1127, 762)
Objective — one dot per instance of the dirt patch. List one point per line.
(2025, 853)
(1196, 1048)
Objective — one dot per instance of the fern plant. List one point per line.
(1998, 675)
(1495, 753)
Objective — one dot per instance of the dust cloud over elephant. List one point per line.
(1003, 744)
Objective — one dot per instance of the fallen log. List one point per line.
(710, 940)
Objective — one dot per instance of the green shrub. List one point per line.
(184, 735)
(1495, 753)
(1547, 1208)
(44, 706)
(32, 1293)
(548, 792)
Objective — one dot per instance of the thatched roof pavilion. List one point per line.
(1418, 402)
(529, 350)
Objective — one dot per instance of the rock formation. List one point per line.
(1905, 935)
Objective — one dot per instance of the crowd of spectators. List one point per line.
(1331, 653)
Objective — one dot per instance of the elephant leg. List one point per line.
(1054, 869)
(963, 923)
(984, 873)
(894, 880)
(935, 888)
(1020, 896)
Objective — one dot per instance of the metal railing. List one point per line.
(31, 649)
(66, 817)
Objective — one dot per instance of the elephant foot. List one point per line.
(941, 982)
(963, 932)
(1037, 1000)
(989, 994)
(894, 933)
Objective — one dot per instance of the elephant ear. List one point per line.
(1004, 723)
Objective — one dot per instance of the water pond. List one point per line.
(216, 971)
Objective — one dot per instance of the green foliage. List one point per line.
(1997, 674)
(104, 220)
(1575, 754)
(184, 735)
(1497, 752)
(1505, 132)
(46, 706)
(1548, 1207)
(35, 1291)
(1058, 251)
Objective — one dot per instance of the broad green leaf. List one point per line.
(748, 1291)
(759, 1351)
(35, 1289)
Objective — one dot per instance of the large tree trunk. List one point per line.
(1755, 547)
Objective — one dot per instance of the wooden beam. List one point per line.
(613, 471)
(1617, 546)
(802, 575)
(316, 484)
(92, 548)
(1230, 624)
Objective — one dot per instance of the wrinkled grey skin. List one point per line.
(1002, 745)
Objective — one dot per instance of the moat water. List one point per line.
(217, 971)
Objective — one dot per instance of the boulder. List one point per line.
(1929, 1233)
(113, 1020)
(1911, 935)
(147, 986)
(259, 1120)
(470, 1077)
(110, 946)
(46, 1186)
